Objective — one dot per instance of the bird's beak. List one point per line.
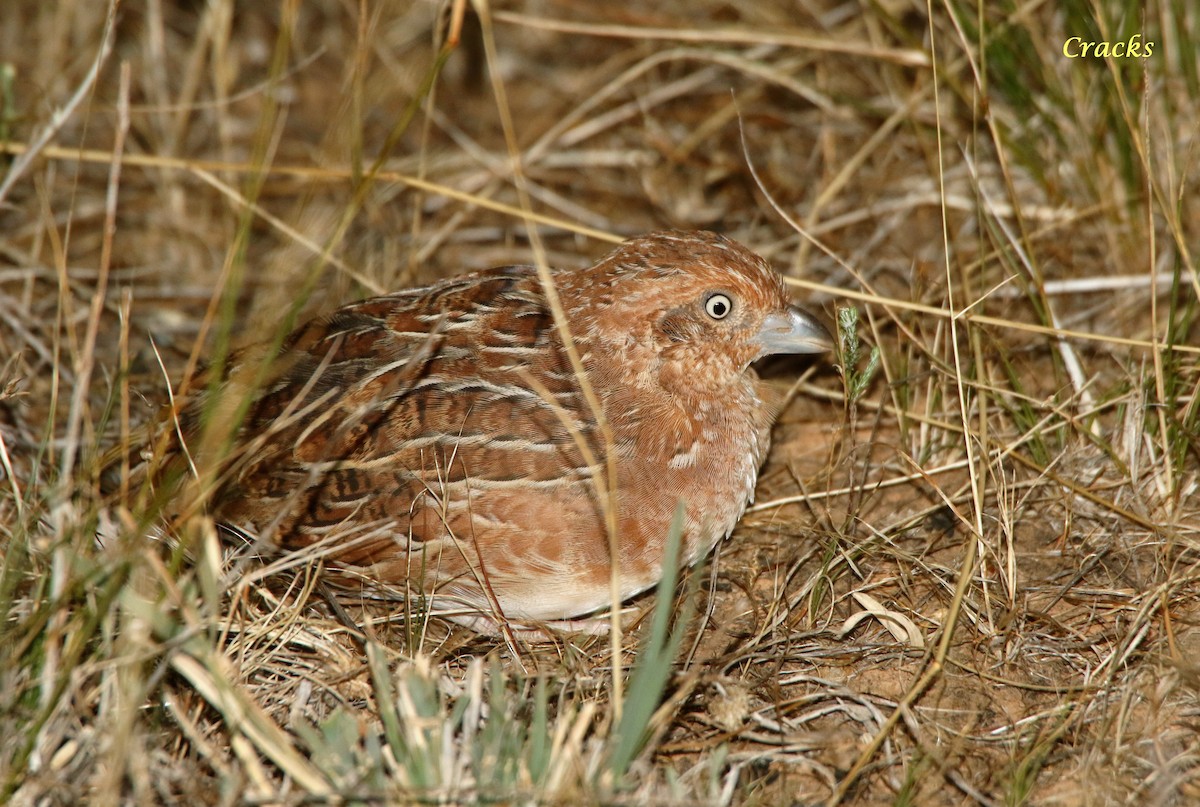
(792, 331)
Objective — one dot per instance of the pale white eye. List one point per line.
(718, 305)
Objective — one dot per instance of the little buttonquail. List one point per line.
(441, 441)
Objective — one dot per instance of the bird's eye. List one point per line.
(718, 305)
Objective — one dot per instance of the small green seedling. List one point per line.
(850, 352)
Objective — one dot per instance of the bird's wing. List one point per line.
(400, 414)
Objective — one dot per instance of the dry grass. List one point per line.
(1010, 500)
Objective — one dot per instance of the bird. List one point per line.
(495, 446)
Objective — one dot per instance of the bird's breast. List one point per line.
(703, 453)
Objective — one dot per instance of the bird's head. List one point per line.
(700, 307)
